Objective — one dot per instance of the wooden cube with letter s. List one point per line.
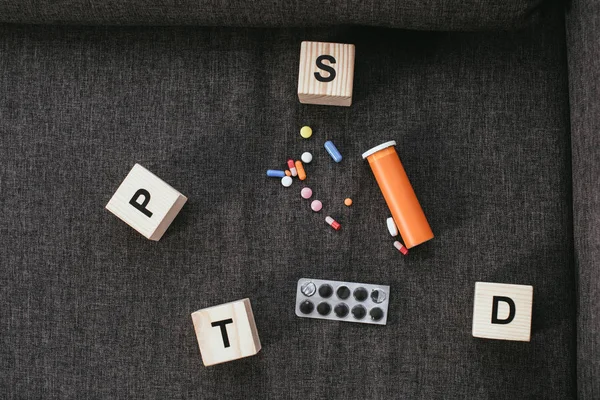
(226, 332)
(146, 203)
(326, 74)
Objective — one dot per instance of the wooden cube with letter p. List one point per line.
(326, 73)
(502, 311)
(226, 332)
(146, 203)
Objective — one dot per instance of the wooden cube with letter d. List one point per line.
(502, 311)
(226, 332)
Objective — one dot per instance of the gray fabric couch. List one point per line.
(494, 105)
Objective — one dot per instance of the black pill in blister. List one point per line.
(343, 292)
(325, 291)
(361, 294)
(376, 314)
(306, 307)
(359, 312)
(324, 308)
(341, 310)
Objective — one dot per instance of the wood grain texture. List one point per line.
(242, 335)
(164, 203)
(337, 92)
(519, 328)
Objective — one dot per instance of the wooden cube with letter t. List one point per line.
(146, 203)
(502, 311)
(326, 73)
(226, 332)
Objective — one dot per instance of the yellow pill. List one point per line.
(348, 202)
(306, 132)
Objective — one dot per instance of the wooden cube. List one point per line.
(326, 73)
(226, 332)
(502, 311)
(146, 203)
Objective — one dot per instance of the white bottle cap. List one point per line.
(377, 148)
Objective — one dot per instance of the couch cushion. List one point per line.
(584, 74)
(92, 309)
(424, 15)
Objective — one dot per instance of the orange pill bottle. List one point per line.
(399, 194)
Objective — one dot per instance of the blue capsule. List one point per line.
(275, 173)
(333, 151)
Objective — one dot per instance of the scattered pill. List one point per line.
(316, 205)
(348, 202)
(286, 181)
(300, 170)
(306, 157)
(275, 173)
(288, 173)
(306, 193)
(334, 224)
(306, 132)
(400, 247)
(292, 167)
(392, 228)
(333, 151)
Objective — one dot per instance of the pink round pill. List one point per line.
(316, 205)
(306, 193)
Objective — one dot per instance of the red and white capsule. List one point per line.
(400, 247)
(334, 224)
(292, 167)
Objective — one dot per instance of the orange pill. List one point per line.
(348, 202)
(288, 173)
(300, 169)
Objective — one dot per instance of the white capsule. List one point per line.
(306, 157)
(400, 247)
(333, 223)
(392, 228)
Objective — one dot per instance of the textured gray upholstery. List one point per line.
(584, 74)
(459, 15)
(92, 309)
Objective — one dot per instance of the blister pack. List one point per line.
(342, 301)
